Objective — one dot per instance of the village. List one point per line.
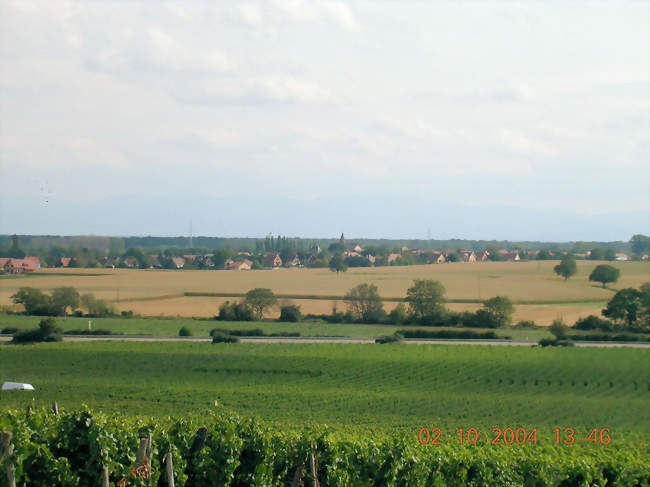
(351, 254)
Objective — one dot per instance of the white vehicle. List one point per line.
(17, 386)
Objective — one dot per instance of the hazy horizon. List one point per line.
(491, 121)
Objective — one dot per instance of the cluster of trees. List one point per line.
(60, 301)
(602, 273)
(255, 304)
(423, 305)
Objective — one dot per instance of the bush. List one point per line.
(396, 338)
(127, 314)
(47, 331)
(461, 334)
(559, 329)
(290, 313)
(10, 330)
(223, 338)
(399, 315)
(90, 332)
(609, 337)
(235, 312)
(184, 332)
(526, 324)
(255, 332)
(554, 342)
(592, 322)
(482, 318)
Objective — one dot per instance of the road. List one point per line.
(343, 340)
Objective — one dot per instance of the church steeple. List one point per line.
(342, 240)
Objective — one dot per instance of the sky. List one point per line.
(381, 119)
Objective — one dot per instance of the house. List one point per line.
(645, 257)
(511, 256)
(190, 258)
(347, 253)
(392, 257)
(131, 262)
(436, 258)
(481, 255)
(179, 262)
(244, 265)
(18, 266)
(622, 257)
(112, 263)
(356, 248)
(310, 259)
(468, 256)
(292, 260)
(272, 260)
(65, 261)
(371, 258)
(33, 262)
(245, 253)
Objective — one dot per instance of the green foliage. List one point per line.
(597, 254)
(218, 337)
(566, 268)
(640, 244)
(398, 315)
(337, 264)
(544, 254)
(529, 324)
(64, 298)
(364, 304)
(290, 313)
(47, 331)
(425, 298)
(184, 332)
(500, 310)
(610, 254)
(625, 306)
(605, 274)
(559, 329)
(34, 301)
(260, 300)
(454, 257)
(449, 334)
(592, 322)
(97, 307)
(387, 339)
(235, 311)
(70, 450)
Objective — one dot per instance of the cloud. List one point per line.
(254, 90)
(318, 11)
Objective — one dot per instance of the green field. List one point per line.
(201, 327)
(366, 386)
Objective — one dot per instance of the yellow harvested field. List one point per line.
(208, 307)
(547, 295)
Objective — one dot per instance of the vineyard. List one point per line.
(359, 410)
(84, 448)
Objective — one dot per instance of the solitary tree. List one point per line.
(566, 268)
(559, 329)
(337, 264)
(640, 244)
(364, 304)
(260, 299)
(500, 309)
(605, 274)
(425, 298)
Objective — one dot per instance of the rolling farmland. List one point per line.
(538, 293)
